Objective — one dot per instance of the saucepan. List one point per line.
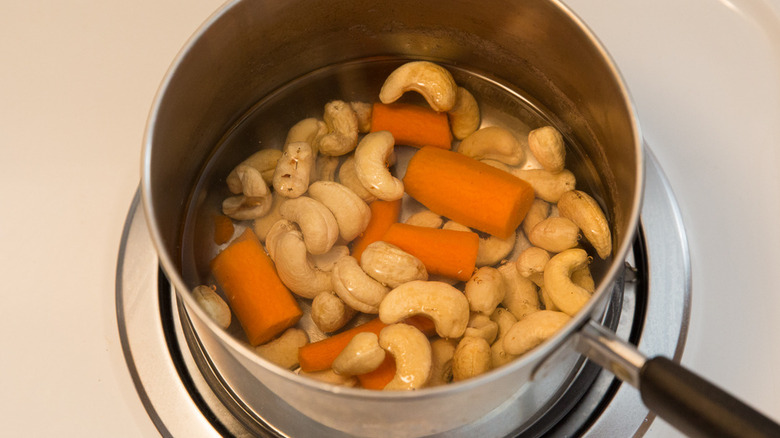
(256, 67)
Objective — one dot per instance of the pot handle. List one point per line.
(691, 404)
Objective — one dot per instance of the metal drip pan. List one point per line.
(185, 394)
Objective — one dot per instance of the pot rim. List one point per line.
(536, 355)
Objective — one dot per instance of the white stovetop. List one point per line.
(76, 83)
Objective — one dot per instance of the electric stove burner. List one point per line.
(186, 395)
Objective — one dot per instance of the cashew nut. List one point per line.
(308, 130)
(283, 351)
(295, 269)
(464, 115)
(444, 304)
(243, 208)
(520, 297)
(318, 225)
(412, 352)
(215, 307)
(262, 162)
(329, 313)
(361, 355)
(546, 144)
(390, 265)
(539, 211)
(363, 111)
(493, 143)
(355, 287)
(566, 295)
(442, 351)
(505, 320)
(277, 230)
(547, 301)
(293, 171)
(584, 211)
(485, 290)
(263, 224)
(342, 125)
(325, 168)
(531, 262)
(481, 326)
(352, 213)
(547, 185)
(327, 261)
(472, 357)
(373, 155)
(555, 234)
(532, 330)
(247, 180)
(491, 249)
(328, 376)
(584, 279)
(425, 218)
(348, 177)
(432, 81)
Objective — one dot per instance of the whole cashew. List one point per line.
(444, 304)
(432, 81)
(361, 355)
(342, 125)
(481, 326)
(390, 265)
(520, 297)
(472, 357)
(293, 171)
(352, 213)
(531, 262)
(373, 155)
(277, 230)
(532, 330)
(505, 321)
(584, 211)
(318, 225)
(250, 181)
(464, 115)
(485, 290)
(329, 313)
(566, 295)
(546, 143)
(348, 177)
(547, 301)
(442, 351)
(295, 268)
(263, 224)
(547, 185)
(262, 162)
(307, 130)
(539, 211)
(493, 143)
(412, 352)
(328, 376)
(584, 279)
(243, 208)
(355, 287)
(555, 234)
(363, 111)
(326, 262)
(325, 168)
(215, 307)
(283, 351)
(425, 218)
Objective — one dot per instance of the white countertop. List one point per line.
(76, 84)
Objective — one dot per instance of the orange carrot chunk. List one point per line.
(258, 298)
(443, 252)
(383, 214)
(380, 377)
(412, 125)
(223, 229)
(468, 191)
(319, 355)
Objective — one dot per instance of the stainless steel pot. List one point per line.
(250, 51)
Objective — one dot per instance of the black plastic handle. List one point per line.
(697, 407)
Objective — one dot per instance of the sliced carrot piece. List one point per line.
(383, 214)
(412, 125)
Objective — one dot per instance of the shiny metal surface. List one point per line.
(654, 315)
(604, 347)
(242, 55)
